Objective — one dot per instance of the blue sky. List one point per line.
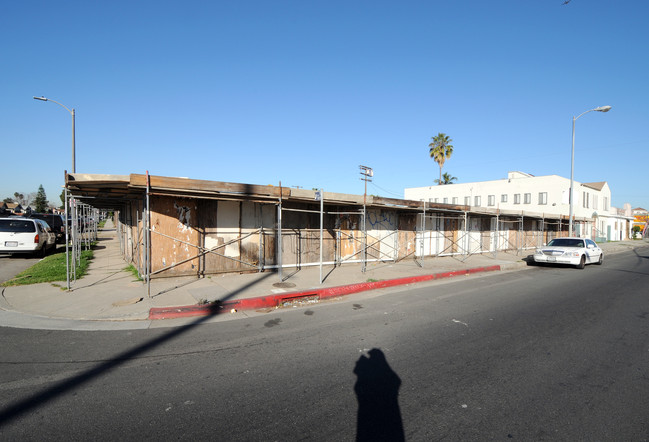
(303, 92)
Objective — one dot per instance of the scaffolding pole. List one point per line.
(147, 238)
(67, 241)
(75, 222)
(321, 229)
(279, 234)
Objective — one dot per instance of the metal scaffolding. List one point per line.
(446, 233)
(81, 223)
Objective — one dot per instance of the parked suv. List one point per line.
(56, 223)
(25, 235)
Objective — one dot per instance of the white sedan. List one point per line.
(573, 251)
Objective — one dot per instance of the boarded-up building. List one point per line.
(178, 226)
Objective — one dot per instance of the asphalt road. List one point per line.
(539, 354)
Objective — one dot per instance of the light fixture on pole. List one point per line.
(74, 169)
(572, 162)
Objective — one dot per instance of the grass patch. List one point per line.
(50, 269)
(133, 271)
(102, 223)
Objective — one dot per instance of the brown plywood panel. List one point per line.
(450, 236)
(486, 234)
(407, 235)
(174, 218)
(234, 248)
(350, 236)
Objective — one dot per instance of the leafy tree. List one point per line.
(62, 196)
(20, 198)
(440, 150)
(446, 179)
(40, 201)
(8, 200)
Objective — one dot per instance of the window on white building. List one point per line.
(543, 198)
(445, 200)
(586, 199)
(467, 200)
(491, 200)
(503, 198)
(477, 201)
(528, 198)
(517, 198)
(595, 202)
(454, 200)
(605, 203)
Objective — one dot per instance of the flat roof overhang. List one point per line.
(113, 192)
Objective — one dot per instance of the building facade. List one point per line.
(169, 226)
(538, 195)
(640, 221)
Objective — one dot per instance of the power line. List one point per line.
(398, 195)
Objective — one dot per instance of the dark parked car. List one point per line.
(56, 223)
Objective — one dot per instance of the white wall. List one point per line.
(555, 188)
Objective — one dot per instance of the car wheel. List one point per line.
(582, 262)
(601, 259)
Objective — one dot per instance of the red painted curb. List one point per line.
(323, 293)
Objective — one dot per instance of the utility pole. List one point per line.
(366, 175)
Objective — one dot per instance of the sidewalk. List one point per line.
(110, 294)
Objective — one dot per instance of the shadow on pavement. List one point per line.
(377, 391)
(40, 399)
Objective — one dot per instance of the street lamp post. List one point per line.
(572, 162)
(74, 170)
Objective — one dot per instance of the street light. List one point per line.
(572, 160)
(71, 113)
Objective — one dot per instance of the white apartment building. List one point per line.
(536, 196)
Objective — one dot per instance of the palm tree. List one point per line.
(446, 179)
(440, 150)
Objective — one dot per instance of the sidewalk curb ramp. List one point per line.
(314, 295)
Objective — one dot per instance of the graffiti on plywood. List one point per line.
(381, 219)
(184, 214)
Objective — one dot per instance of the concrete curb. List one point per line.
(273, 301)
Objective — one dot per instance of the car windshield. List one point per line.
(17, 226)
(566, 242)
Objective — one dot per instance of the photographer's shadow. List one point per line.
(377, 391)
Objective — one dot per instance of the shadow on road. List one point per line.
(377, 391)
(38, 400)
